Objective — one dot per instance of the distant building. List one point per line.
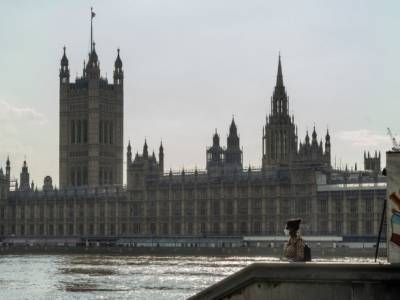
(295, 180)
(372, 163)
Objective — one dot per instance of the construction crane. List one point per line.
(396, 146)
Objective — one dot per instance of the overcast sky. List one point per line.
(190, 65)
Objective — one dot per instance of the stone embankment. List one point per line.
(308, 281)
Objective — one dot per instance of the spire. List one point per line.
(64, 59)
(8, 168)
(118, 61)
(307, 139)
(93, 65)
(118, 73)
(314, 138)
(279, 101)
(64, 70)
(161, 159)
(129, 152)
(233, 128)
(93, 58)
(314, 134)
(216, 138)
(279, 76)
(145, 152)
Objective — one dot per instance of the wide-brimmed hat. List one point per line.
(293, 224)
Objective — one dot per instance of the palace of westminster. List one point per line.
(296, 178)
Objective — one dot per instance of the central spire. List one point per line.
(279, 76)
(279, 101)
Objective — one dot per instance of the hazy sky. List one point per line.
(190, 65)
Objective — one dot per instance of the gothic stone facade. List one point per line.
(193, 204)
(295, 180)
(91, 126)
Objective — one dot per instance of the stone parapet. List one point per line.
(308, 281)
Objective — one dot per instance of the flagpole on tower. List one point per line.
(92, 15)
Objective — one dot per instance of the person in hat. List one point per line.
(294, 248)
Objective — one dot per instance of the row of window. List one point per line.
(106, 133)
(353, 205)
(79, 176)
(337, 227)
(136, 228)
(106, 176)
(177, 208)
(79, 132)
(178, 228)
(203, 193)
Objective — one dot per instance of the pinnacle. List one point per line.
(279, 76)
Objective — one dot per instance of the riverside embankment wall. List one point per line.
(308, 281)
(196, 251)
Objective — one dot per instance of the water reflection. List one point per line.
(115, 277)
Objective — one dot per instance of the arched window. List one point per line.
(85, 176)
(100, 132)
(105, 133)
(79, 177)
(85, 131)
(105, 176)
(72, 132)
(72, 182)
(110, 177)
(101, 176)
(111, 133)
(79, 134)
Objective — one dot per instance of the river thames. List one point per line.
(116, 277)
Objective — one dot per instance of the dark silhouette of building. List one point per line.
(91, 125)
(372, 163)
(295, 178)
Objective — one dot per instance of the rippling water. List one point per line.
(114, 277)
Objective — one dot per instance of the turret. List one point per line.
(64, 69)
(328, 148)
(215, 155)
(47, 184)
(216, 139)
(307, 140)
(161, 159)
(233, 138)
(328, 142)
(145, 149)
(129, 153)
(8, 170)
(24, 178)
(118, 72)
(314, 138)
(93, 65)
(233, 153)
